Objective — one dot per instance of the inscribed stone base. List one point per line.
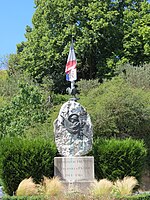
(78, 186)
(75, 172)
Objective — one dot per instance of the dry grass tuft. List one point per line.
(52, 187)
(102, 189)
(27, 188)
(125, 186)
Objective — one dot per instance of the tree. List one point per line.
(97, 28)
(24, 110)
(136, 41)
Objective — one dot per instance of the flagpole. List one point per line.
(71, 71)
(72, 85)
(72, 82)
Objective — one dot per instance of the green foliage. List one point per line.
(136, 41)
(12, 63)
(23, 158)
(59, 99)
(119, 110)
(104, 32)
(8, 86)
(2, 101)
(115, 159)
(121, 107)
(24, 198)
(25, 106)
(84, 86)
(138, 77)
(46, 129)
(145, 196)
(23, 111)
(3, 75)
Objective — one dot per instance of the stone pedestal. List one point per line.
(77, 172)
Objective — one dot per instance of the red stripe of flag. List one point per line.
(71, 61)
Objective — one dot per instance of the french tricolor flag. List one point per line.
(71, 70)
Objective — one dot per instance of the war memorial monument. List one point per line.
(73, 137)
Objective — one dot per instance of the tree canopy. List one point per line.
(104, 32)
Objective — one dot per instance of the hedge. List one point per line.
(145, 196)
(116, 158)
(24, 158)
(135, 197)
(23, 198)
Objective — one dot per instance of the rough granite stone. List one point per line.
(73, 130)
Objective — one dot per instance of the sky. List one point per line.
(15, 15)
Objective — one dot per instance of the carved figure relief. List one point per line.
(73, 130)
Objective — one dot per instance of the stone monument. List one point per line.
(73, 130)
(73, 138)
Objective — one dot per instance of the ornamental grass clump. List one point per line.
(125, 186)
(102, 189)
(52, 187)
(27, 188)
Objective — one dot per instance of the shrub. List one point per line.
(119, 110)
(125, 186)
(27, 188)
(52, 187)
(84, 86)
(24, 198)
(102, 189)
(48, 186)
(138, 197)
(24, 158)
(118, 158)
(137, 76)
